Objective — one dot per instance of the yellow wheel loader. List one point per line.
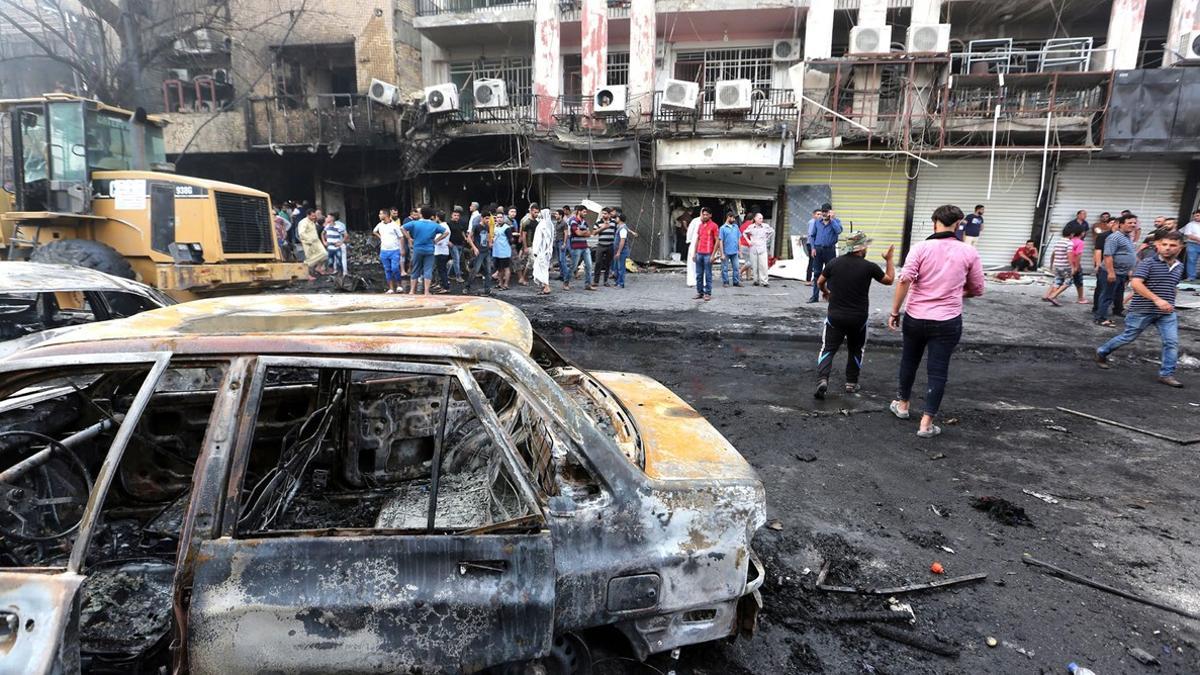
(91, 187)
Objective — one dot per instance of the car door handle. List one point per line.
(478, 566)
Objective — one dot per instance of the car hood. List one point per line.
(677, 442)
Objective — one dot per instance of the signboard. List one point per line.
(129, 194)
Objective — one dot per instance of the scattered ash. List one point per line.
(926, 538)
(1002, 510)
(843, 559)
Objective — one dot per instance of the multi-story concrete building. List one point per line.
(660, 105)
(274, 95)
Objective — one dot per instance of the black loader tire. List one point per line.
(84, 253)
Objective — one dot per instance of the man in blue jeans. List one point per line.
(1120, 255)
(1191, 238)
(425, 235)
(731, 237)
(1154, 282)
(708, 241)
(823, 236)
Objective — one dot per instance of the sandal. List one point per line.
(932, 431)
(1106, 323)
(897, 412)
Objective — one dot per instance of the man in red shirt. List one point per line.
(707, 253)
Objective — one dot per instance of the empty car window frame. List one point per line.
(245, 439)
(36, 368)
(556, 427)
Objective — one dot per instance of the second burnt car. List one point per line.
(302, 484)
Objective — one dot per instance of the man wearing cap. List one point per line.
(823, 236)
(846, 284)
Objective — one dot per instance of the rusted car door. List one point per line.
(366, 599)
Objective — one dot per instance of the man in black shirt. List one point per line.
(846, 284)
(1098, 265)
(458, 241)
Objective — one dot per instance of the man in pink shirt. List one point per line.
(937, 275)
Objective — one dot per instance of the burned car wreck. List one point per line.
(339, 483)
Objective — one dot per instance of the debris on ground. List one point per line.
(1002, 510)
(887, 616)
(951, 421)
(896, 590)
(937, 568)
(805, 457)
(991, 641)
(1049, 499)
(1058, 428)
(1027, 653)
(939, 510)
(775, 525)
(1146, 658)
(1071, 576)
(913, 639)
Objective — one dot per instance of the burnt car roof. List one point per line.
(33, 277)
(292, 323)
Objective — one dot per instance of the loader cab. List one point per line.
(58, 141)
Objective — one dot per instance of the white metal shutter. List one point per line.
(1148, 187)
(560, 193)
(1008, 218)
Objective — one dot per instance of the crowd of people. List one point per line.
(740, 246)
(486, 248)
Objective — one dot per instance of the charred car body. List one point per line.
(331, 483)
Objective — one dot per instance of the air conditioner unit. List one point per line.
(490, 93)
(220, 75)
(609, 100)
(733, 95)
(441, 98)
(203, 40)
(870, 39)
(382, 92)
(178, 74)
(680, 95)
(786, 51)
(929, 37)
(1189, 48)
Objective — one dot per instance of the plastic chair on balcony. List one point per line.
(993, 56)
(1066, 55)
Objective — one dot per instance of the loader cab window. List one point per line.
(114, 143)
(68, 155)
(32, 192)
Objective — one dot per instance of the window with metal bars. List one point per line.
(714, 65)
(516, 71)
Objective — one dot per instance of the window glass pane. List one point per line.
(33, 146)
(109, 142)
(69, 156)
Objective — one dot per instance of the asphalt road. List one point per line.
(852, 486)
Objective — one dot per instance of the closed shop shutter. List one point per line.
(1008, 218)
(560, 192)
(1149, 188)
(871, 193)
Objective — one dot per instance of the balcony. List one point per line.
(913, 104)
(769, 109)
(572, 10)
(281, 123)
(435, 14)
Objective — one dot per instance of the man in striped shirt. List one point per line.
(1154, 281)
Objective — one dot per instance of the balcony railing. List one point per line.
(768, 108)
(278, 122)
(572, 10)
(437, 7)
(909, 104)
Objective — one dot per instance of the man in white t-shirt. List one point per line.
(1191, 235)
(391, 248)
